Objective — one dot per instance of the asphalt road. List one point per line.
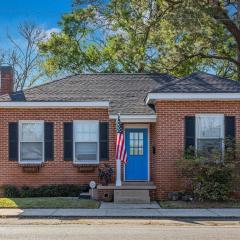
(117, 229)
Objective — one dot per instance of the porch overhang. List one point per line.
(136, 118)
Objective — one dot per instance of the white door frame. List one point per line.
(146, 126)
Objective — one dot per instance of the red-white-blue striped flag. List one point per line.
(121, 152)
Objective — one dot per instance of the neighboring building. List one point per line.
(61, 131)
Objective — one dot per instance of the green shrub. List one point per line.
(210, 177)
(213, 182)
(57, 190)
(27, 191)
(11, 191)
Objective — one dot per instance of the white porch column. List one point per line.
(118, 174)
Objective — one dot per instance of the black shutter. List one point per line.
(230, 132)
(103, 141)
(49, 141)
(230, 127)
(68, 141)
(13, 141)
(189, 132)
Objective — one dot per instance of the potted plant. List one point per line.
(105, 174)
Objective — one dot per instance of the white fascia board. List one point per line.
(151, 97)
(100, 104)
(136, 118)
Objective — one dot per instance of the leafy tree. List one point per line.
(178, 36)
(208, 36)
(24, 56)
(120, 36)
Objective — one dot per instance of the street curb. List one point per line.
(122, 217)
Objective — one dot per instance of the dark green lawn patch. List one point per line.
(197, 204)
(51, 202)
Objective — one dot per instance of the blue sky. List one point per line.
(45, 13)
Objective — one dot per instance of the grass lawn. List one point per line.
(52, 202)
(195, 204)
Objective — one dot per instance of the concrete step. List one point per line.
(84, 196)
(131, 196)
(138, 184)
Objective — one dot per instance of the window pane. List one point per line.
(135, 135)
(210, 127)
(31, 152)
(131, 151)
(131, 143)
(136, 143)
(32, 132)
(210, 147)
(86, 131)
(86, 152)
(135, 151)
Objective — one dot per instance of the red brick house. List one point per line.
(68, 125)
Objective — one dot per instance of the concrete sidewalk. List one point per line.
(111, 210)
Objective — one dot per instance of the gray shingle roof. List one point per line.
(200, 82)
(126, 92)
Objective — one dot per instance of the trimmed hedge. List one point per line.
(58, 190)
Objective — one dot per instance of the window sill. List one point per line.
(86, 163)
(30, 164)
(31, 168)
(86, 168)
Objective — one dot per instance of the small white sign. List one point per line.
(92, 184)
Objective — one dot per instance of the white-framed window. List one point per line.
(31, 142)
(86, 142)
(210, 135)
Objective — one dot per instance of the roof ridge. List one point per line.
(49, 82)
(91, 74)
(171, 83)
(215, 76)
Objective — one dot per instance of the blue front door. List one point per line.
(136, 168)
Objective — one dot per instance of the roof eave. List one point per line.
(95, 104)
(153, 97)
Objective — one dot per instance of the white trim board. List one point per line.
(135, 118)
(74, 142)
(100, 104)
(151, 97)
(20, 123)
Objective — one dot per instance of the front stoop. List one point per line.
(130, 192)
(131, 196)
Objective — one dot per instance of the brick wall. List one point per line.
(57, 171)
(168, 132)
(170, 136)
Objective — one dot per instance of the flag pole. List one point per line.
(118, 177)
(118, 172)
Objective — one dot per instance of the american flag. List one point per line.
(121, 152)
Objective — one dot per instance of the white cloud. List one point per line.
(49, 32)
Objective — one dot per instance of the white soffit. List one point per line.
(151, 97)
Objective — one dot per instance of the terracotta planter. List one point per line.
(104, 182)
